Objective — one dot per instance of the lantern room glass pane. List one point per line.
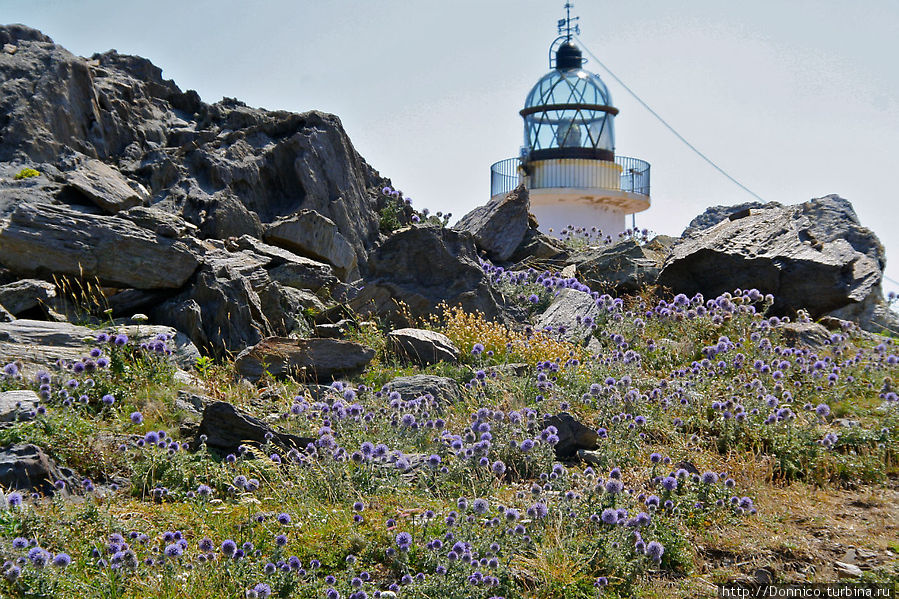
(572, 127)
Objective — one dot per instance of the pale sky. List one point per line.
(796, 99)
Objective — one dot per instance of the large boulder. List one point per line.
(423, 267)
(625, 267)
(499, 226)
(306, 359)
(226, 428)
(815, 256)
(309, 233)
(422, 346)
(25, 467)
(53, 239)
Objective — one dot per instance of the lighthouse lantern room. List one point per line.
(568, 160)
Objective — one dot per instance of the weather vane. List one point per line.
(565, 25)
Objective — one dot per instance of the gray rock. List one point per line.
(422, 346)
(573, 435)
(114, 250)
(813, 256)
(715, 214)
(536, 247)
(160, 222)
(41, 343)
(423, 267)
(15, 405)
(809, 334)
(25, 467)
(103, 185)
(287, 268)
(623, 268)
(284, 306)
(442, 389)
(499, 226)
(845, 570)
(26, 294)
(220, 311)
(224, 167)
(563, 313)
(309, 233)
(227, 427)
(305, 359)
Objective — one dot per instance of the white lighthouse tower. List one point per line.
(568, 160)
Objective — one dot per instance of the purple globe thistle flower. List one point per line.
(61, 560)
(108, 399)
(120, 340)
(137, 417)
(404, 541)
(229, 547)
(477, 349)
(38, 557)
(284, 519)
(498, 468)
(609, 516)
(173, 550)
(205, 545)
(12, 574)
(614, 486)
(14, 499)
(669, 483)
(709, 478)
(262, 590)
(822, 410)
(20, 543)
(655, 458)
(281, 540)
(480, 506)
(654, 551)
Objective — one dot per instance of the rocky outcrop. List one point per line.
(808, 334)
(423, 267)
(422, 346)
(499, 226)
(226, 428)
(625, 267)
(25, 467)
(814, 256)
(304, 359)
(53, 239)
(310, 234)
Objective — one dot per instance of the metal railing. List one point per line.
(505, 176)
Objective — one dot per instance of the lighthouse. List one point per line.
(568, 161)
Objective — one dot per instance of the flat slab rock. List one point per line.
(115, 250)
(308, 232)
(563, 312)
(41, 343)
(16, 405)
(320, 359)
(422, 346)
(104, 186)
(444, 390)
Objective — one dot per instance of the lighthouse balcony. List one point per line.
(621, 185)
